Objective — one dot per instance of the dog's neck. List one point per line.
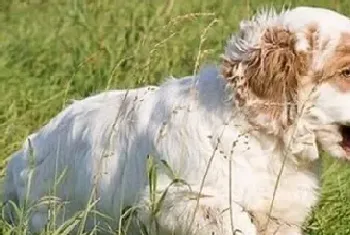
(290, 130)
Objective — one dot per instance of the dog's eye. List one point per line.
(346, 73)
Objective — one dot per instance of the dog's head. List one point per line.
(290, 73)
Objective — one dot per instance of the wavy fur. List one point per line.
(248, 166)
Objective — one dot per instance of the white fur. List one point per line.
(193, 125)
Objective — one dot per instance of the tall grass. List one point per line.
(52, 51)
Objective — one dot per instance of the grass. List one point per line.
(52, 51)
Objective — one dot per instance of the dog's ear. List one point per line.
(233, 72)
(271, 70)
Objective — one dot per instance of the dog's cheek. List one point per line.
(329, 139)
(334, 150)
(338, 152)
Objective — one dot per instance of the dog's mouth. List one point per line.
(345, 144)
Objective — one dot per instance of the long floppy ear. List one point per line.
(272, 68)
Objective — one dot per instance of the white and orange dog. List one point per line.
(245, 137)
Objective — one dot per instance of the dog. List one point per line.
(234, 149)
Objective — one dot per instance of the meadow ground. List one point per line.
(52, 51)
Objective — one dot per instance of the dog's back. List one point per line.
(64, 158)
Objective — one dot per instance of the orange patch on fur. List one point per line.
(270, 76)
(333, 71)
(275, 70)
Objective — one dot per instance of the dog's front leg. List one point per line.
(186, 212)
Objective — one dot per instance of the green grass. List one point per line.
(52, 51)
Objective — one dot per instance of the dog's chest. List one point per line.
(269, 187)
